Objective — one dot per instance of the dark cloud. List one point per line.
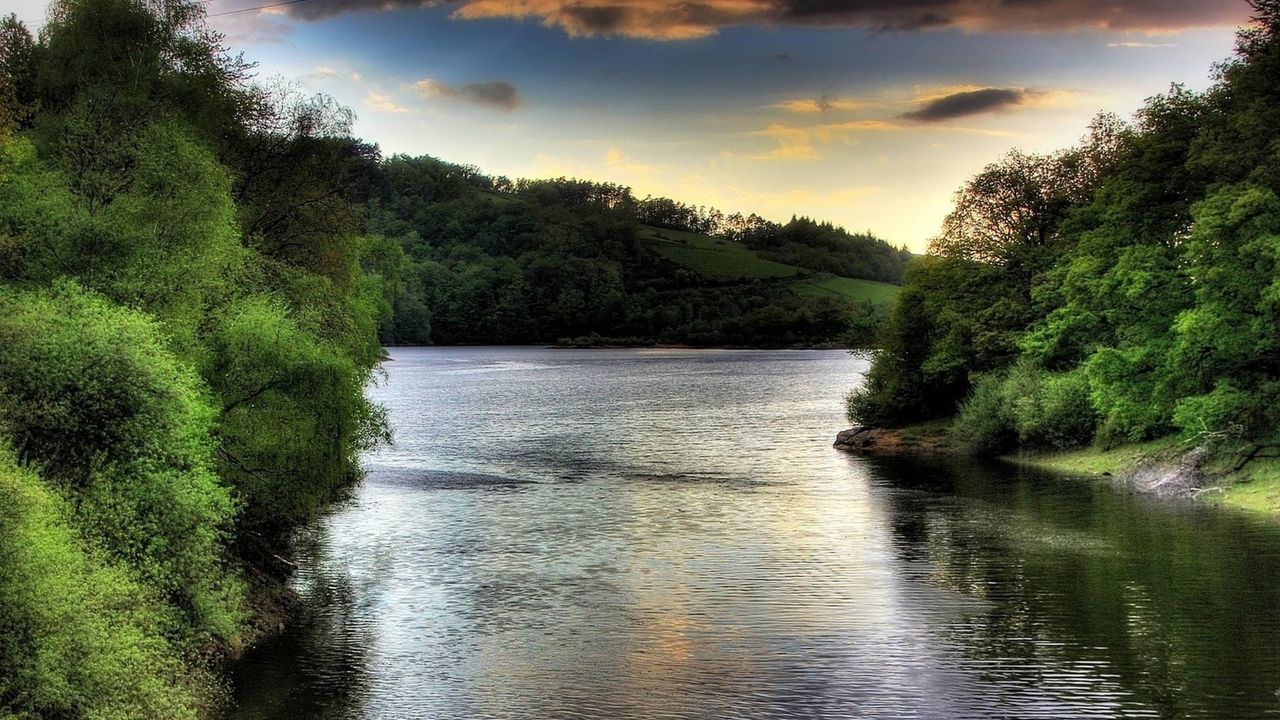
(687, 19)
(1004, 15)
(917, 23)
(498, 94)
(875, 14)
(964, 104)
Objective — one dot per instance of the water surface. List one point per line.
(668, 534)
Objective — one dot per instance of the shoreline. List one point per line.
(1167, 468)
(636, 346)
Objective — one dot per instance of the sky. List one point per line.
(867, 113)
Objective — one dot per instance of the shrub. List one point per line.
(1052, 411)
(90, 395)
(1227, 409)
(82, 639)
(1027, 408)
(985, 425)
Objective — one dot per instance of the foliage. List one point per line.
(1139, 270)
(1026, 407)
(293, 415)
(90, 394)
(985, 423)
(186, 331)
(953, 317)
(82, 638)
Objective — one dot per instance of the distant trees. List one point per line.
(475, 260)
(823, 247)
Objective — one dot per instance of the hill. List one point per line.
(472, 259)
(721, 259)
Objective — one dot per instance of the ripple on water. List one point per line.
(668, 534)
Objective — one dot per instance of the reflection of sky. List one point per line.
(672, 572)
(719, 120)
(742, 568)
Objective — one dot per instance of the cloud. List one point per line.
(823, 104)
(1140, 45)
(968, 102)
(497, 94)
(260, 28)
(320, 75)
(691, 19)
(796, 142)
(383, 103)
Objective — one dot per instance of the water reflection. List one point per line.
(1165, 611)
(664, 534)
(320, 668)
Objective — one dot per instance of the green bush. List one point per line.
(294, 414)
(90, 395)
(985, 425)
(1231, 410)
(81, 638)
(1052, 411)
(1026, 408)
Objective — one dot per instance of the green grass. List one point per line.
(712, 257)
(849, 288)
(1254, 487)
(725, 260)
(1095, 461)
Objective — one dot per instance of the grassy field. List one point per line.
(725, 260)
(714, 258)
(851, 288)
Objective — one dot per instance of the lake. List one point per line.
(669, 534)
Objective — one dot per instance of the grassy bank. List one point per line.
(1255, 486)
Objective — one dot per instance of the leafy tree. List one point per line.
(293, 416)
(1139, 270)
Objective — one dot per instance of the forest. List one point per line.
(473, 259)
(1120, 291)
(198, 271)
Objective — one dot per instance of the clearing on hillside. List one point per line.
(726, 260)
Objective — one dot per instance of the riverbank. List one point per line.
(1243, 478)
(1224, 478)
(922, 438)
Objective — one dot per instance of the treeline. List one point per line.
(475, 259)
(185, 336)
(1123, 290)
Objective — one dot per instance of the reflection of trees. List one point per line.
(319, 668)
(1178, 605)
